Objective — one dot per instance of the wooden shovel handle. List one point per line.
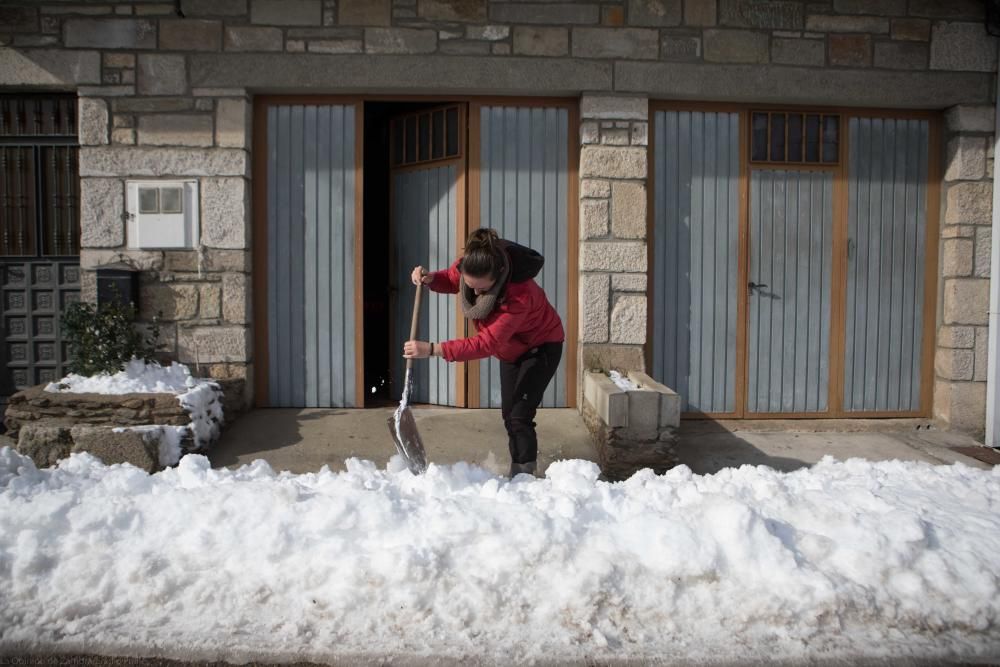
(415, 321)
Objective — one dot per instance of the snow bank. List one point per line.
(844, 559)
(199, 397)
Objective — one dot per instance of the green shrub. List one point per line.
(103, 340)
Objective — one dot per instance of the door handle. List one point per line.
(751, 286)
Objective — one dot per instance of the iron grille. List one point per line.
(39, 235)
(39, 177)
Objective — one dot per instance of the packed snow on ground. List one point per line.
(199, 397)
(845, 559)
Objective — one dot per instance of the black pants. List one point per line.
(522, 384)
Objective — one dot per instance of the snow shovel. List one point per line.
(402, 425)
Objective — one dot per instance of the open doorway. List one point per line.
(346, 207)
(414, 214)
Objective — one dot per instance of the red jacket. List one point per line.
(523, 319)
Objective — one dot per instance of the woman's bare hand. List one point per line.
(419, 275)
(416, 349)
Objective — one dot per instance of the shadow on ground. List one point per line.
(282, 428)
(304, 440)
(307, 439)
(707, 448)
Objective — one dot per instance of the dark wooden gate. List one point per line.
(39, 235)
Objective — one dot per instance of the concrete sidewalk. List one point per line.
(304, 440)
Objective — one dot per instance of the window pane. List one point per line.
(61, 212)
(795, 137)
(452, 148)
(831, 125)
(777, 137)
(149, 200)
(411, 139)
(425, 137)
(171, 200)
(758, 144)
(812, 138)
(437, 142)
(17, 200)
(397, 143)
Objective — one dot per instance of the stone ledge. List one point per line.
(47, 441)
(141, 449)
(803, 85)
(134, 162)
(35, 404)
(388, 73)
(50, 67)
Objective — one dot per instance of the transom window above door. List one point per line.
(39, 176)
(425, 136)
(795, 137)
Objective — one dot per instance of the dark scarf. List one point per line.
(478, 307)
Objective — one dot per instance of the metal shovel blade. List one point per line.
(402, 425)
(403, 428)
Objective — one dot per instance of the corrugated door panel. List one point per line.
(523, 190)
(424, 209)
(696, 250)
(791, 233)
(310, 233)
(887, 229)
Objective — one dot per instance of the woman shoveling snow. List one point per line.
(514, 322)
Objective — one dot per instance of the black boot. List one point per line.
(518, 468)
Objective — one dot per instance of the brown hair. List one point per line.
(482, 255)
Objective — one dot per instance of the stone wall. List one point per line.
(613, 169)
(163, 128)
(36, 404)
(166, 93)
(967, 207)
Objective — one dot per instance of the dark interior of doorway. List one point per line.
(378, 279)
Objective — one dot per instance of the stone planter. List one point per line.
(135, 428)
(632, 428)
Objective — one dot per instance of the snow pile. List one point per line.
(624, 382)
(138, 377)
(198, 397)
(844, 560)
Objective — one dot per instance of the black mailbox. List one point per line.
(117, 282)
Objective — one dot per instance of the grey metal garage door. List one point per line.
(523, 176)
(822, 307)
(696, 245)
(310, 255)
(887, 229)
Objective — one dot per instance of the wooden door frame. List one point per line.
(467, 388)
(838, 277)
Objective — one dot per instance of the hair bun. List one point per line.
(483, 254)
(483, 238)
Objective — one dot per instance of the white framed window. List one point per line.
(162, 214)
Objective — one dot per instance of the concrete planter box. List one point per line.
(632, 428)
